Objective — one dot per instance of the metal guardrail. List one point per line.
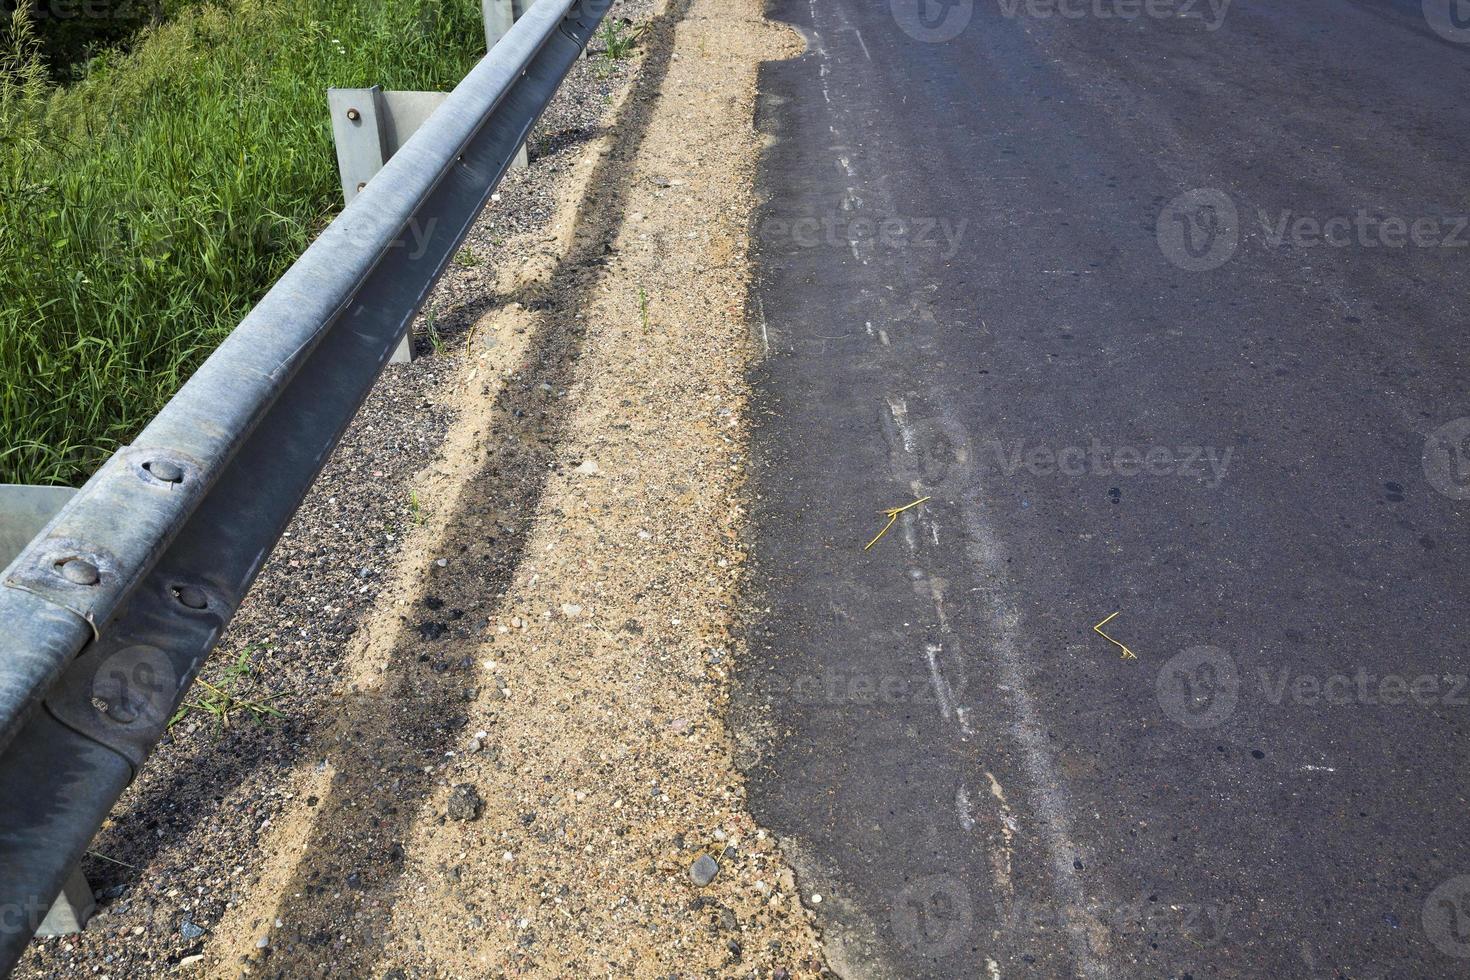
(108, 614)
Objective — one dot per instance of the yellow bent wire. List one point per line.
(892, 514)
(1127, 653)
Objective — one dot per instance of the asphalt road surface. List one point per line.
(1164, 308)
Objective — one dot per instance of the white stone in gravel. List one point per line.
(587, 467)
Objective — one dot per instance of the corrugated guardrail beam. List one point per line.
(106, 618)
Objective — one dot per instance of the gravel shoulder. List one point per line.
(497, 637)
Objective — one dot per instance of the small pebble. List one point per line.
(465, 803)
(703, 870)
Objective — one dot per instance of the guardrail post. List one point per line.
(73, 907)
(499, 16)
(24, 511)
(369, 124)
(360, 130)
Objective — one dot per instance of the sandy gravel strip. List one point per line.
(606, 771)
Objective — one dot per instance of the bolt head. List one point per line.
(165, 470)
(79, 571)
(191, 596)
(354, 115)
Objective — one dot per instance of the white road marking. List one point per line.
(1048, 791)
(935, 589)
(899, 409)
(941, 686)
(965, 808)
(765, 334)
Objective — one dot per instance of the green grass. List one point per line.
(619, 37)
(146, 207)
(224, 699)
